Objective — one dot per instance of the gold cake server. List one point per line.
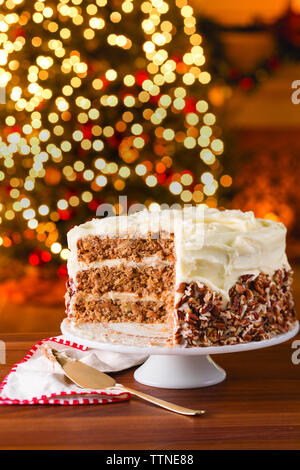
(88, 377)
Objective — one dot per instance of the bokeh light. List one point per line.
(98, 104)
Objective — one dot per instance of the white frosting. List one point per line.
(212, 246)
(114, 295)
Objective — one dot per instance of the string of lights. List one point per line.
(102, 99)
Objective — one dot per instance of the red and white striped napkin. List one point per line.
(38, 380)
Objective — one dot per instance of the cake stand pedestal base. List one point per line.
(179, 372)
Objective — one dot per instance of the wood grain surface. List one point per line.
(256, 407)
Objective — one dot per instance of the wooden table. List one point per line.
(257, 407)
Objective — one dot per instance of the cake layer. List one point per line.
(142, 280)
(94, 248)
(106, 310)
(259, 307)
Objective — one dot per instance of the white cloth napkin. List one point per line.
(39, 380)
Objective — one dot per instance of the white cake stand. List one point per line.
(167, 366)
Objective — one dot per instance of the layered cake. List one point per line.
(204, 276)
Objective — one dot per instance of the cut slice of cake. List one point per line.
(207, 277)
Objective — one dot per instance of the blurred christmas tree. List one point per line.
(103, 98)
